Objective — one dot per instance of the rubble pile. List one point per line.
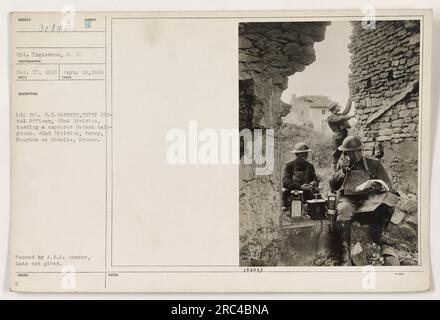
(399, 246)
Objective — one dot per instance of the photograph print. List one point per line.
(336, 107)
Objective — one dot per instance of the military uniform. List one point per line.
(351, 198)
(296, 173)
(349, 201)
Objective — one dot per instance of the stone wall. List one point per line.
(384, 83)
(268, 54)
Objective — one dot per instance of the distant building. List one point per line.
(310, 111)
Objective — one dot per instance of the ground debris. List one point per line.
(398, 249)
(397, 217)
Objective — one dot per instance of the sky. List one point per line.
(328, 75)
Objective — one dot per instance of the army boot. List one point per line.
(382, 236)
(344, 229)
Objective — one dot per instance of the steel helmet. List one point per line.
(350, 143)
(331, 106)
(300, 148)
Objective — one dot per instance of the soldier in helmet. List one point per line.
(354, 169)
(338, 123)
(299, 174)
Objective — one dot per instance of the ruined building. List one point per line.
(384, 83)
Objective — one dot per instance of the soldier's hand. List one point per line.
(305, 186)
(376, 187)
(345, 165)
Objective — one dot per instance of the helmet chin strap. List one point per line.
(300, 155)
(358, 155)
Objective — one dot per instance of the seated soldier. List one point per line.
(299, 174)
(354, 169)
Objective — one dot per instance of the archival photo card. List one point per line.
(338, 105)
(220, 151)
